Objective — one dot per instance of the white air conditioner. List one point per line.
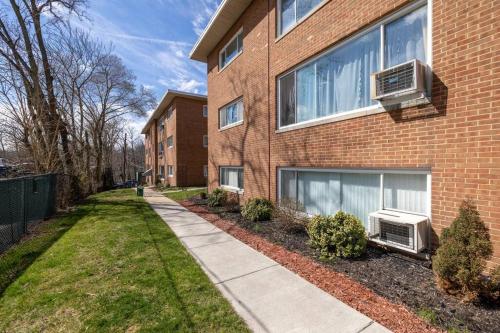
(404, 81)
(407, 232)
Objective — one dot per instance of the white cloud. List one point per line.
(204, 12)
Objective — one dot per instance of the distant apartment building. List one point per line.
(361, 106)
(176, 140)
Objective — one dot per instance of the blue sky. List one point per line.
(154, 38)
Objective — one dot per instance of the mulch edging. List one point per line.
(395, 317)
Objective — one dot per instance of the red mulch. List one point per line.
(395, 317)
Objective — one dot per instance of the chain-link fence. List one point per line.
(22, 201)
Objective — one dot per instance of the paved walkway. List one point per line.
(269, 297)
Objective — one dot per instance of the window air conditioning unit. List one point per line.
(404, 81)
(407, 232)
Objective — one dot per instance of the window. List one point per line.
(339, 80)
(231, 114)
(205, 141)
(162, 171)
(160, 148)
(231, 50)
(293, 11)
(359, 193)
(205, 111)
(205, 171)
(170, 170)
(161, 124)
(170, 112)
(170, 141)
(231, 177)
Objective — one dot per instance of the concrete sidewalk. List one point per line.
(269, 297)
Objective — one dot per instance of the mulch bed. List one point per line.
(382, 285)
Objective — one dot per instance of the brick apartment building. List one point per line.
(176, 140)
(291, 113)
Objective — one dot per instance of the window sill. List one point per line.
(230, 62)
(231, 126)
(299, 22)
(353, 114)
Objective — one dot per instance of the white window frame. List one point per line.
(170, 170)
(279, 33)
(231, 188)
(205, 111)
(372, 109)
(240, 99)
(205, 171)
(223, 50)
(380, 172)
(172, 146)
(205, 141)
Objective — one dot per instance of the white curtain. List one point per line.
(406, 38)
(288, 185)
(352, 66)
(360, 194)
(305, 6)
(287, 14)
(319, 192)
(306, 93)
(406, 192)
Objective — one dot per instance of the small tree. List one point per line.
(464, 248)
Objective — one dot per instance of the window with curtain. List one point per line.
(170, 141)
(406, 38)
(231, 50)
(325, 193)
(405, 192)
(160, 148)
(360, 194)
(339, 80)
(231, 114)
(231, 177)
(170, 170)
(292, 11)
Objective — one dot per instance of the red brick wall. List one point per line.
(247, 144)
(191, 155)
(187, 126)
(457, 136)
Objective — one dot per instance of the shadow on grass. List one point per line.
(17, 259)
(182, 306)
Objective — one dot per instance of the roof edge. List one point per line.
(167, 98)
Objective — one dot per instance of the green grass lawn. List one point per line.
(183, 195)
(116, 268)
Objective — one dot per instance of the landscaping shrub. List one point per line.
(203, 195)
(291, 215)
(258, 209)
(491, 290)
(461, 257)
(217, 198)
(341, 235)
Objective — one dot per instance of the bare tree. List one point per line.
(65, 95)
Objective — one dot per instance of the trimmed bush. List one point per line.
(461, 257)
(258, 209)
(339, 235)
(217, 198)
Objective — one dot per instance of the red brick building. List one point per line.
(176, 140)
(291, 113)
